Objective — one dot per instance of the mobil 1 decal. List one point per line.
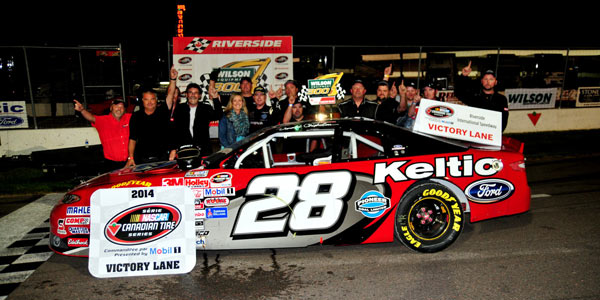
(141, 231)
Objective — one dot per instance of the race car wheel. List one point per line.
(429, 218)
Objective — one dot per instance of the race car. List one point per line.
(342, 181)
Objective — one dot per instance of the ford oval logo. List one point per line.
(440, 111)
(142, 224)
(489, 190)
(6, 121)
(185, 60)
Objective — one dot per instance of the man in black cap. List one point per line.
(358, 106)
(485, 96)
(262, 115)
(430, 90)
(409, 100)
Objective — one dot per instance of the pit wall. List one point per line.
(24, 141)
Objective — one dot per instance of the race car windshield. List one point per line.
(213, 159)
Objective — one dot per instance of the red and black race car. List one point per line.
(345, 181)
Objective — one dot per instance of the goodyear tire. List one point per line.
(429, 218)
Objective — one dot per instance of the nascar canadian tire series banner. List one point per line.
(459, 122)
(267, 60)
(531, 98)
(142, 231)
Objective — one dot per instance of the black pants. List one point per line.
(111, 165)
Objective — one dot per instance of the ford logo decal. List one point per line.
(6, 121)
(489, 190)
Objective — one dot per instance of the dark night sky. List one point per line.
(138, 24)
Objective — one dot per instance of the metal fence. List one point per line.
(49, 78)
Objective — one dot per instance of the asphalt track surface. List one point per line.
(550, 252)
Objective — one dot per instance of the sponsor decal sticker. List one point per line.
(196, 173)
(77, 242)
(142, 224)
(77, 221)
(61, 227)
(221, 180)
(217, 201)
(372, 204)
(185, 60)
(164, 250)
(213, 192)
(489, 190)
(78, 211)
(440, 111)
(79, 230)
(216, 213)
(200, 214)
(132, 183)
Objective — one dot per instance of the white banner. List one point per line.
(459, 122)
(13, 114)
(142, 231)
(267, 61)
(531, 98)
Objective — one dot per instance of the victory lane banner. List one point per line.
(266, 60)
(142, 231)
(459, 122)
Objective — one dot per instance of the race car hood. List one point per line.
(136, 173)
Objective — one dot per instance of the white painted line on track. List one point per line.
(540, 196)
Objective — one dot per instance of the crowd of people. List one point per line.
(155, 132)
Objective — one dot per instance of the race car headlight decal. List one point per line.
(70, 198)
(518, 165)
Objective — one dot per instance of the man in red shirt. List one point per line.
(113, 130)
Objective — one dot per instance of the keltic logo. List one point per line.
(439, 111)
(372, 204)
(489, 190)
(142, 224)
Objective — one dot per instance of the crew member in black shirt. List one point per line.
(358, 106)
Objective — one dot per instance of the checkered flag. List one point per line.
(198, 45)
(303, 94)
(341, 93)
(262, 81)
(204, 83)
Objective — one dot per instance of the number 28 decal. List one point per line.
(318, 206)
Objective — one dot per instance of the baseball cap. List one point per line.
(489, 72)
(430, 84)
(383, 82)
(119, 100)
(259, 88)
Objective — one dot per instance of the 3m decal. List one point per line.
(489, 190)
(142, 224)
(318, 205)
(452, 166)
